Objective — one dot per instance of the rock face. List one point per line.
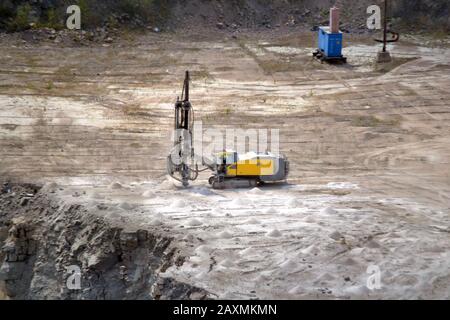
(231, 15)
(41, 241)
(430, 12)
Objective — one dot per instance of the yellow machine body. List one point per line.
(261, 166)
(254, 167)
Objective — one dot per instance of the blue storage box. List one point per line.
(330, 44)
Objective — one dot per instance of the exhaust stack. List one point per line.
(334, 19)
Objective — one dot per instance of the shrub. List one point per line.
(89, 17)
(52, 20)
(21, 20)
(153, 11)
(136, 8)
(6, 11)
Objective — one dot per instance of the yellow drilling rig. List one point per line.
(230, 169)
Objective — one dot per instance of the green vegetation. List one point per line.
(153, 11)
(441, 33)
(49, 85)
(112, 22)
(140, 12)
(30, 86)
(89, 17)
(201, 74)
(6, 12)
(135, 8)
(224, 69)
(372, 121)
(136, 145)
(21, 20)
(324, 13)
(53, 21)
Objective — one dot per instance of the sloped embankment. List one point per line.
(41, 237)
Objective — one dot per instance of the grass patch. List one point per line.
(136, 145)
(200, 74)
(50, 85)
(224, 69)
(273, 66)
(64, 71)
(128, 34)
(387, 67)
(372, 121)
(193, 49)
(31, 86)
(440, 34)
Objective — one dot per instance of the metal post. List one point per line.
(186, 86)
(385, 26)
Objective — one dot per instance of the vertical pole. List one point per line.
(385, 26)
(186, 84)
(186, 106)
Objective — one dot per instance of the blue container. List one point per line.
(330, 43)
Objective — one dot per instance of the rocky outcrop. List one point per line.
(44, 240)
(229, 14)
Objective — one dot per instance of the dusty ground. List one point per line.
(369, 151)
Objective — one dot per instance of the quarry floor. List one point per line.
(369, 148)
